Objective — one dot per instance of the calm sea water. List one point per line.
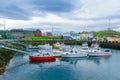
(94, 68)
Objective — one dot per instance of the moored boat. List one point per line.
(61, 47)
(84, 47)
(73, 53)
(31, 47)
(98, 53)
(42, 58)
(45, 47)
(42, 55)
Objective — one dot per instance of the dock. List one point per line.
(20, 51)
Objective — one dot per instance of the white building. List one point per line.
(72, 35)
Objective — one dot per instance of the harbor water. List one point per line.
(88, 68)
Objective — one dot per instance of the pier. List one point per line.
(20, 51)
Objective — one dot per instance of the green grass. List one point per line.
(41, 37)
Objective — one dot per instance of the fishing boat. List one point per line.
(84, 47)
(41, 55)
(56, 45)
(98, 53)
(73, 53)
(31, 47)
(61, 47)
(45, 47)
(42, 58)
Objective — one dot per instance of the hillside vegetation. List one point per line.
(5, 56)
(106, 33)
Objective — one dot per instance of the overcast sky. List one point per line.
(62, 15)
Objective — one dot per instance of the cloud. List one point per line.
(13, 12)
(24, 10)
(53, 5)
(95, 10)
(67, 15)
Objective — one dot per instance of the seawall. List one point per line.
(111, 45)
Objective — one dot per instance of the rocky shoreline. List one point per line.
(5, 56)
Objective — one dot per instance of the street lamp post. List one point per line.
(4, 29)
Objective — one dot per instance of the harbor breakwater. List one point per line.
(109, 44)
(51, 42)
(103, 44)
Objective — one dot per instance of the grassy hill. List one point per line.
(106, 33)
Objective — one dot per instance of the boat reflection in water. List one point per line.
(72, 60)
(95, 60)
(45, 61)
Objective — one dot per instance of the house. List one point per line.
(86, 35)
(18, 33)
(66, 36)
(70, 35)
(37, 33)
(114, 38)
(74, 35)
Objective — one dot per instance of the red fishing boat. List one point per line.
(42, 58)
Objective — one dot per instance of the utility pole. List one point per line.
(52, 30)
(109, 21)
(52, 33)
(4, 29)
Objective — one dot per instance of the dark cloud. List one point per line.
(54, 5)
(13, 12)
(23, 10)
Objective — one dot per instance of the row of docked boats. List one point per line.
(86, 51)
(70, 53)
(94, 53)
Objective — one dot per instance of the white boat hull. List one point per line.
(97, 54)
(74, 55)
